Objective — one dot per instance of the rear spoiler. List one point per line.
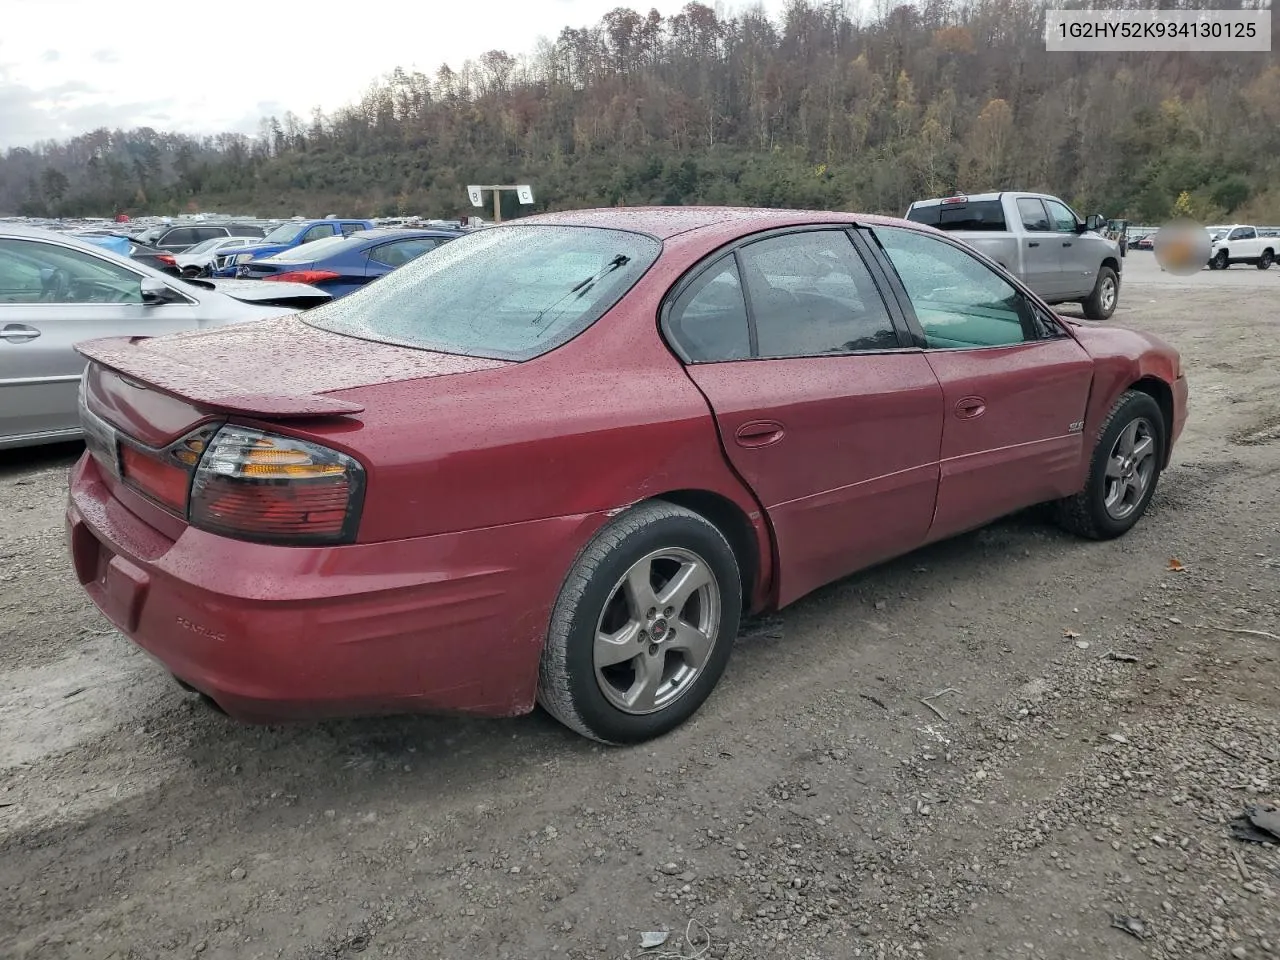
(129, 357)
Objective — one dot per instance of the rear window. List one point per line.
(316, 250)
(970, 215)
(506, 293)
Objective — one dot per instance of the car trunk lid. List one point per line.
(156, 389)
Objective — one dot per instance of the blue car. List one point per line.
(295, 233)
(341, 265)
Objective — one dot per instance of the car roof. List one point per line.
(667, 222)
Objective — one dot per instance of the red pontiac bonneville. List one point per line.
(557, 460)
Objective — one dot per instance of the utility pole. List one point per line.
(523, 192)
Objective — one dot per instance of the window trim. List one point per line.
(1059, 331)
(907, 338)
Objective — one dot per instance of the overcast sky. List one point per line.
(69, 66)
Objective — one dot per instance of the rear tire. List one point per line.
(1123, 471)
(661, 581)
(1265, 261)
(1101, 304)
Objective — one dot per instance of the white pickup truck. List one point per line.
(1040, 240)
(1240, 243)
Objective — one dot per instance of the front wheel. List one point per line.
(1265, 261)
(1123, 472)
(1101, 304)
(643, 627)
(1221, 261)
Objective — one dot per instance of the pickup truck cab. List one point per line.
(1240, 243)
(293, 233)
(1040, 240)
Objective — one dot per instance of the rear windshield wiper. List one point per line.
(582, 287)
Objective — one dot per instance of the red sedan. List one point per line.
(555, 461)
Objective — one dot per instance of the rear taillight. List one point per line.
(167, 260)
(164, 475)
(259, 486)
(304, 276)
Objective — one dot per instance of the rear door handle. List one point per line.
(18, 332)
(759, 433)
(970, 407)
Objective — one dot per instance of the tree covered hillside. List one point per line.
(812, 109)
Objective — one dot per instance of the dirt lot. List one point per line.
(815, 808)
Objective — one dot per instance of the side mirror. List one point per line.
(1095, 223)
(154, 291)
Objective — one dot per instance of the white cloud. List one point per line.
(67, 66)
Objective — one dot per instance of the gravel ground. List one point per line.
(1093, 732)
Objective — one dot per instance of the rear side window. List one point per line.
(349, 228)
(1034, 219)
(962, 215)
(709, 318)
(399, 252)
(811, 295)
(508, 293)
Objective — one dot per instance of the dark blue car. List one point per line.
(341, 265)
(294, 233)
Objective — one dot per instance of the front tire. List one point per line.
(1123, 471)
(1221, 261)
(1101, 304)
(643, 627)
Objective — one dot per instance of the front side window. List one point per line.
(35, 272)
(509, 293)
(318, 232)
(1064, 221)
(960, 302)
(810, 295)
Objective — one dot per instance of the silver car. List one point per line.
(57, 291)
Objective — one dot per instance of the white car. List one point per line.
(1240, 243)
(199, 259)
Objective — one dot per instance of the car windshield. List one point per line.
(507, 293)
(285, 233)
(316, 250)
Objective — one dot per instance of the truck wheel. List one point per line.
(1123, 471)
(1101, 304)
(1221, 261)
(1267, 258)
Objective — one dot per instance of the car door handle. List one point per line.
(759, 433)
(971, 407)
(1033, 243)
(18, 332)
(1066, 243)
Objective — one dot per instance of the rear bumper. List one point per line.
(452, 623)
